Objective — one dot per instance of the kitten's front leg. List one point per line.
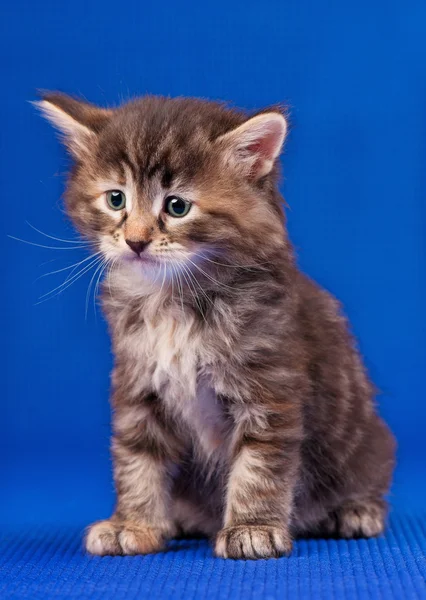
(144, 452)
(261, 483)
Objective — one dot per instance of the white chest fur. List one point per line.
(174, 353)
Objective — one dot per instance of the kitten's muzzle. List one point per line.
(137, 246)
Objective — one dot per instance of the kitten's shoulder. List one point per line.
(311, 294)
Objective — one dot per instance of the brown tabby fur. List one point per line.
(241, 407)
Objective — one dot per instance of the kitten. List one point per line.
(241, 407)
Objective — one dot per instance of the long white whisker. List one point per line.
(209, 276)
(61, 288)
(70, 281)
(215, 262)
(191, 287)
(76, 241)
(195, 280)
(42, 246)
(106, 270)
(180, 291)
(89, 287)
(159, 271)
(237, 266)
(97, 255)
(96, 291)
(164, 276)
(110, 272)
(70, 266)
(46, 262)
(173, 277)
(96, 288)
(179, 286)
(186, 255)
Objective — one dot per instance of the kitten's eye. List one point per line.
(116, 199)
(177, 207)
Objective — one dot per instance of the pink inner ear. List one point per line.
(265, 148)
(255, 147)
(269, 141)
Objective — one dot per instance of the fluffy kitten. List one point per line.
(241, 408)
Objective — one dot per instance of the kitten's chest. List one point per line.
(172, 355)
(177, 356)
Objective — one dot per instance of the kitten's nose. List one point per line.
(138, 246)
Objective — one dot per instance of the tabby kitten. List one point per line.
(241, 407)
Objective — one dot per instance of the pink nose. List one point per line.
(138, 246)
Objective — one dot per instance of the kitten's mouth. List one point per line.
(141, 258)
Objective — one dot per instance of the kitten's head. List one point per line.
(160, 183)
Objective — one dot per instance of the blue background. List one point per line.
(354, 169)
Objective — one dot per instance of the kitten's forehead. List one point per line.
(161, 139)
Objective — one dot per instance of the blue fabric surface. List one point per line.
(48, 563)
(48, 501)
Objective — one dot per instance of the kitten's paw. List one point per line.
(112, 537)
(102, 539)
(252, 541)
(366, 519)
(137, 538)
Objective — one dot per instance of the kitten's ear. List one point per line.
(79, 122)
(253, 146)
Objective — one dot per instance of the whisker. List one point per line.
(190, 288)
(179, 286)
(181, 292)
(75, 241)
(193, 290)
(107, 270)
(51, 295)
(195, 280)
(96, 286)
(158, 272)
(172, 279)
(72, 280)
(110, 272)
(69, 281)
(42, 246)
(46, 262)
(164, 277)
(89, 287)
(186, 255)
(232, 266)
(209, 276)
(70, 274)
(96, 291)
(70, 266)
(236, 266)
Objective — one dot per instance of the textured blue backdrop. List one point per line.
(353, 75)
